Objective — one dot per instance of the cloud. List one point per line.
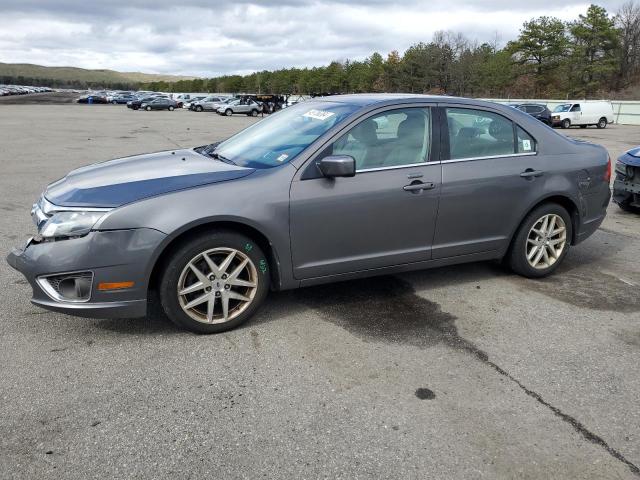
(199, 37)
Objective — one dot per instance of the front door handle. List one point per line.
(417, 186)
(530, 172)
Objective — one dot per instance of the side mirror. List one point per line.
(337, 166)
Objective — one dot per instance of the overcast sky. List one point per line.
(209, 38)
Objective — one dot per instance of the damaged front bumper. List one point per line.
(68, 276)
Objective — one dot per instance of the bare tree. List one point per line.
(628, 23)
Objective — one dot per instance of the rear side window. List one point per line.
(526, 143)
(477, 133)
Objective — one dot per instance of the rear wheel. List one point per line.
(214, 282)
(542, 241)
(171, 108)
(566, 123)
(254, 113)
(602, 123)
(583, 126)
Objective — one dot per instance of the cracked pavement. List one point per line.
(457, 372)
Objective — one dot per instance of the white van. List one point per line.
(585, 113)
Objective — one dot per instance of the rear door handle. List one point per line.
(530, 172)
(417, 186)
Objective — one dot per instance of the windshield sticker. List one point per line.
(282, 157)
(526, 145)
(318, 114)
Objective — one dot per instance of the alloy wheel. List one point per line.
(217, 285)
(546, 241)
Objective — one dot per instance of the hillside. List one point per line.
(73, 75)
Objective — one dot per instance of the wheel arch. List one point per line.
(174, 242)
(564, 201)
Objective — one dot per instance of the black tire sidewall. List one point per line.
(189, 249)
(517, 253)
(228, 112)
(602, 123)
(566, 123)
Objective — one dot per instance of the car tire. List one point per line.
(228, 112)
(178, 275)
(198, 108)
(583, 126)
(566, 123)
(602, 123)
(114, 102)
(135, 108)
(254, 113)
(528, 246)
(148, 108)
(171, 108)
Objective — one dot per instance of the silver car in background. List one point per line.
(248, 107)
(208, 103)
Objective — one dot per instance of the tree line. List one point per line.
(591, 56)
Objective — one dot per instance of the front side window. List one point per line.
(575, 108)
(390, 139)
(477, 133)
(562, 108)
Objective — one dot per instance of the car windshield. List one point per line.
(280, 137)
(562, 108)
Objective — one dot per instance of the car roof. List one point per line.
(367, 99)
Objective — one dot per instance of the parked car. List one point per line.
(316, 193)
(598, 113)
(159, 103)
(191, 101)
(248, 107)
(536, 110)
(207, 103)
(123, 99)
(135, 104)
(93, 98)
(626, 187)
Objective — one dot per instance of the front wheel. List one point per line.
(148, 109)
(228, 112)
(602, 123)
(214, 282)
(566, 123)
(114, 102)
(198, 108)
(541, 242)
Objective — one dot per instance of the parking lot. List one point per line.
(457, 372)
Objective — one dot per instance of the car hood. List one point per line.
(125, 180)
(631, 157)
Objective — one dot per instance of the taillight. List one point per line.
(607, 174)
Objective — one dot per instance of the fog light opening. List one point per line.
(68, 287)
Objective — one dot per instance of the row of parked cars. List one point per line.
(583, 114)
(6, 90)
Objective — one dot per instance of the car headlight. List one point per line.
(70, 224)
(623, 169)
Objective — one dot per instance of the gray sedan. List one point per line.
(327, 190)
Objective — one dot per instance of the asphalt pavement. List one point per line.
(459, 372)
